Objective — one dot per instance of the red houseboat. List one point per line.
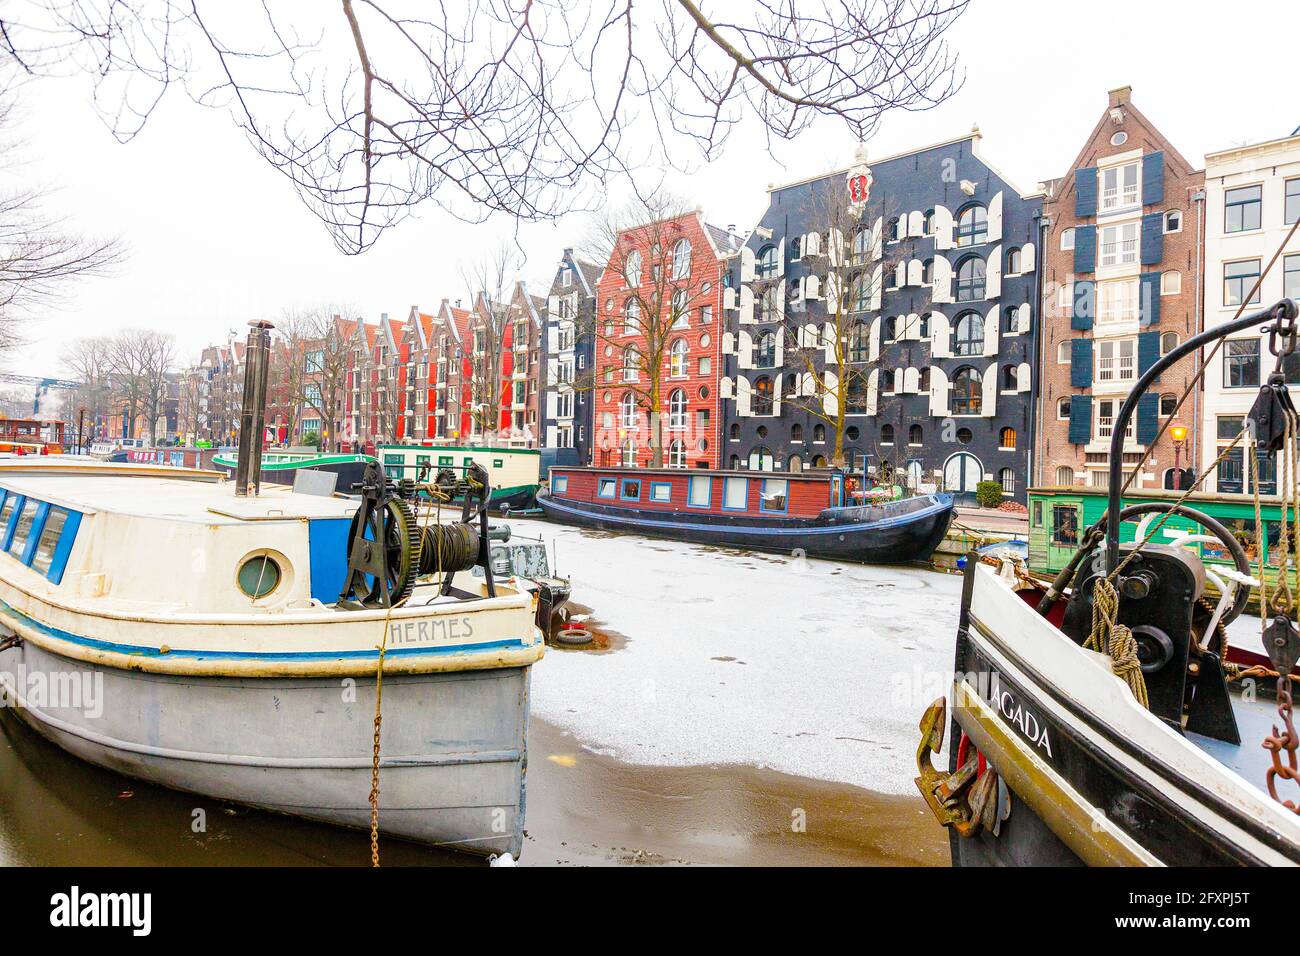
(31, 436)
(815, 512)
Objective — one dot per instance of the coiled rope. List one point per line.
(1115, 640)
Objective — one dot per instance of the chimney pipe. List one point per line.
(252, 414)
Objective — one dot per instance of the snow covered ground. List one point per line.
(805, 666)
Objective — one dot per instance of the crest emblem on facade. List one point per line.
(860, 179)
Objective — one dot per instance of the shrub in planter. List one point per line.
(989, 494)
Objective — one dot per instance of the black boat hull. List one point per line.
(876, 534)
(1091, 780)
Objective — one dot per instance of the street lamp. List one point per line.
(1179, 434)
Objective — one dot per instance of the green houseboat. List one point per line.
(514, 473)
(280, 467)
(1059, 515)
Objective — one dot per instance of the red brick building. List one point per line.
(1121, 288)
(658, 336)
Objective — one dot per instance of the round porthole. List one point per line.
(259, 576)
(1119, 139)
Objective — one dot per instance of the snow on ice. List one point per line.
(809, 667)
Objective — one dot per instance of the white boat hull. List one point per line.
(452, 760)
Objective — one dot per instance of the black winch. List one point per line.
(388, 549)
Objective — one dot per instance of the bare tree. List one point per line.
(660, 294)
(489, 282)
(828, 333)
(326, 368)
(526, 107)
(138, 362)
(39, 254)
(86, 360)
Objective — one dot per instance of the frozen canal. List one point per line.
(808, 667)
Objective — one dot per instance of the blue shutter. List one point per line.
(1148, 420)
(1153, 179)
(1085, 191)
(1153, 238)
(1085, 249)
(1148, 299)
(1081, 363)
(1084, 305)
(1148, 350)
(1080, 419)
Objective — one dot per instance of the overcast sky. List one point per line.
(217, 238)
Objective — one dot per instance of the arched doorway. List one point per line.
(961, 473)
(796, 464)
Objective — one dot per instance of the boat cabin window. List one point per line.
(631, 490)
(774, 495)
(661, 491)
(393, 465)
(48, 542)
(22, 527)
(700, 494)
(1065, 525)
(445, 461)
(605, 489)
(38, 534)
(559, 484)
(735, 494)
(1038, 514)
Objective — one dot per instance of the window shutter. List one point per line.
(830, 385)
(873, 340)
(877, 238)
(1080, 419)
(1085, 249)
(873, 390)
(780, 257)
(1027, 263)
(916, 223)
(940, 336)
(1023, 316)
(1153, 238)
(942, 281)
(1148, 351)
(1023, 377)
(914, 272)
(1149, 299)
(744, 350)
(1085, 191)
(993, 274)
(1148, 422)
(942, 228)
(1081, 363)
(992, 326)
(938, 392)
(995, 218)
(989, 391)
(877, 281)
(1084, 302)
(746, 305)
(746, 264)
(1153, 178)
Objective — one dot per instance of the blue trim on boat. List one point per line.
(139, 651)
(904, 519)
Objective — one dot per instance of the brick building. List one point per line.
(898, 329)
(656, 341)
(568, 353)
(1122, 263)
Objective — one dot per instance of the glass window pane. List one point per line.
(700, 492)
(23, 528)
(736, 493)
(49, 540)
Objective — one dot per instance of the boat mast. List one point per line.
(252, 413)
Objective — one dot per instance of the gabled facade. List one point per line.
(452, 373)
(568, 353)
(688, 259)
(899, 329)
(1121, 289)
(1252, 202)
(416, 393)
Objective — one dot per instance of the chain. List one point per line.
(1278, 742)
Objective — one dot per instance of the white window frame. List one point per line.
(1067, 239)
(1103, 424)
(1122, 195)
(1171, 288)
(1120, 249)
(1118, 301)
(1117, 367)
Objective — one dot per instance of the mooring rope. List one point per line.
(1116, 640)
